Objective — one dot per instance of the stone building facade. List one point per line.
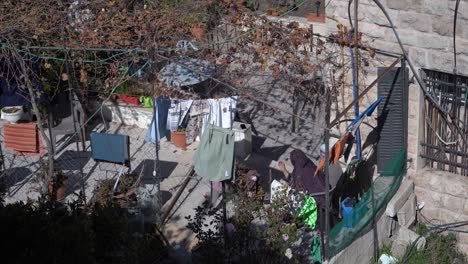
(426, 30)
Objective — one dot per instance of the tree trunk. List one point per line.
(29, 85)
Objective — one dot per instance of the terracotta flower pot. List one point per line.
(198, 32)
(179, 139)
(312, 17)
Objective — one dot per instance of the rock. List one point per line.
(400, 197)
(407, 214)
(404, 239)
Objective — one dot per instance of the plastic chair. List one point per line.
(111, 148)
(68, 124)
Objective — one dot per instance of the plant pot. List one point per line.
(114, 98)
(179, 139)
(60, 195)
(198, 32)
(312, 17)
(12, 114)
(133, 100)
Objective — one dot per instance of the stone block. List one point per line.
(463, 248)
(421, 39)
(405, 4)
(443, 25)
(407, 214)
(441, 60)
(465, 208)
(437, 7)
(400, 197)
(412, 143)
(410, 236)
(442, 182)
(414, 21)
(399, 248)
(462, 238)
(372, 30)
(418, 56)
(404, 239)
(430, 198)
(452, 203)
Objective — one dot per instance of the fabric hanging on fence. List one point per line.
(163, 103)
(214, 159)
(308, 211)
(177, 113)
(12, 90)
(335, 152)
(315, 254)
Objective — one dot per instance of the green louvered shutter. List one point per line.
(392, 124)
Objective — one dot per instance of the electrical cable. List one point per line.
(438, 228)
(349, 13)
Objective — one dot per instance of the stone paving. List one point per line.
(22, 174)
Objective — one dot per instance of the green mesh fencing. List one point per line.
(382, 190)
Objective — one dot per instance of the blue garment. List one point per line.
(162, 103)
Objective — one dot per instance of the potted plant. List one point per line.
(179, 138)
(124, 192)
(57, 186)
(198, 21)
(12, 114)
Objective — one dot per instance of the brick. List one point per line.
(400, 197)
(407, 214)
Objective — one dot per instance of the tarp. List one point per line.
(185, 72)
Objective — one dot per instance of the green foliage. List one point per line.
(45, 232)
(439, 249)
(262, 234)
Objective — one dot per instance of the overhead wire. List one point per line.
(237, 90)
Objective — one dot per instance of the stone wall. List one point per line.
(445, 198)
(128, 114)
(425, 28)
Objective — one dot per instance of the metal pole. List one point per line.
(327, 182)
(72, 108)
(156, 169)
(343, 113)
(356, 76)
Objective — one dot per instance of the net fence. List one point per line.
(381, 191)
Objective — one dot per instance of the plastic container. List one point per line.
(243, 139)
(347, 212)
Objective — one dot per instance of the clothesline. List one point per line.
(237, 90)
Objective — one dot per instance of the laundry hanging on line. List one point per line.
(214, 159)
(221, 112)
(163, 103)
(177, 113)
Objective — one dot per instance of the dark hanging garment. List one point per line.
(12, 86)
(302, 177)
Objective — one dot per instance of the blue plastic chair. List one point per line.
(111, 148)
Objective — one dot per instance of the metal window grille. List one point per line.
(444, 148)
